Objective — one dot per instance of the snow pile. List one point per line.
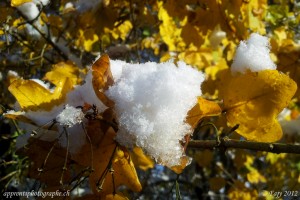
(152, 101)
(253, 55)
(70, 116)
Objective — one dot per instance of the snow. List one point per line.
(85, 94)
(116, 67)
(289, 126)
(12, 73)
(70, 116)
(253, 55)
(30, 10)
(42, 83)
(42, 2)
(151, 102)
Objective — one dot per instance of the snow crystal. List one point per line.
(253, 55)
(152, 101)
(70, 116)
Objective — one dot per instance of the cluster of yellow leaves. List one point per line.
(193, 29)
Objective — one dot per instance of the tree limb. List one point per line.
(225, 143)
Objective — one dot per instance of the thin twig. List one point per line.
(237, 144)
(66, 158)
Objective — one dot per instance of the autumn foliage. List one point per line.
(68, 58)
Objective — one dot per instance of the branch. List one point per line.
(45, 36)
(237, 144)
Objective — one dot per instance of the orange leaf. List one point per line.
(179, 168)
(107, 155)
(102, 78)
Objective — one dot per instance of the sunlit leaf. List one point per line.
(240, 191)
(253, 100)
(141, 160)
(61, 71)
(33, 96)
(16, 3)
(203, 108)
(178, 169)
(102, 78)
(86, 39)
(255, 177)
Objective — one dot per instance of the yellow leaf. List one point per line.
(16, 3)
(253, 100)
(125, 173)
(141, 160)
(61, 71)
(255, 177)
(102, 78)
(179, 168)
(200, 57)
(33, 96)
(116, 197)
(86, 39)
(122, 30)
(240, 192)
(202, 109)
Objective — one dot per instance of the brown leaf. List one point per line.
(102, 78)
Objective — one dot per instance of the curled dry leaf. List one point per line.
(102, 78)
